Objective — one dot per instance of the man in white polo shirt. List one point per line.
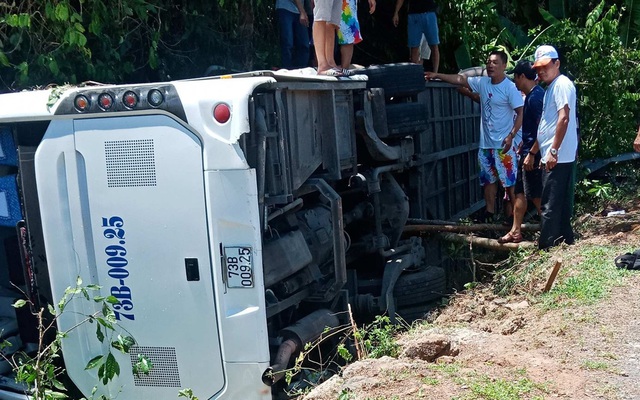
(558, 144)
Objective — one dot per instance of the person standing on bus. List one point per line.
(421, 20)
(293, 23)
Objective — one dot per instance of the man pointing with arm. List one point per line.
(499, 98)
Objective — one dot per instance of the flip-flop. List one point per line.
(347, 72)
(332, 72)
(510, 238)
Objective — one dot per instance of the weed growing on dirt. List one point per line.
(502, 389)
(595, 365)
(399, 375)
(489, 388)
(427, 380)
(346, 394)
(379, 338)
(527, 267)
(375, 340)
(446, 369)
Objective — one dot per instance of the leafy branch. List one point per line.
(41, 371)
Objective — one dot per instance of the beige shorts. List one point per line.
(328, 11)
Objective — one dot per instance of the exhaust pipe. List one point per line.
(295, 337)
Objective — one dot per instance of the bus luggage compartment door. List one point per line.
(123, 207)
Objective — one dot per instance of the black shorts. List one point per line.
(529, 182)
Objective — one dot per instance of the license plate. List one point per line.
(239, 267)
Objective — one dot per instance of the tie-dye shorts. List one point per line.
(349, 32)
(494, 165)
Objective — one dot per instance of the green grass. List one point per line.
(502, 389)
(584, 278)
(446, 369)
(427, 380)
(595, 365)
(588, 281)
(483, 387)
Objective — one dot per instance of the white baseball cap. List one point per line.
(544, 54)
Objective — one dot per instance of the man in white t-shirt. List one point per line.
(499, 99)
(558, 144)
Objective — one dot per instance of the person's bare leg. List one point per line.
(415, 55)
(329, 44)
(490, 191)
(520, 208)
(537, 201)
(508, 207)
(346, 55)
(435, 57)
(319, 40)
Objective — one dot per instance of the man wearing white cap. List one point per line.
(558, 144)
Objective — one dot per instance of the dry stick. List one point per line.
(552, 277)
(473, 260)
(355, 330)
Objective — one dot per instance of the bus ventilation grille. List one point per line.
(164, 371)
(130, 163)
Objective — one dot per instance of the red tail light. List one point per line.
(130, 99)
(105, 101)
(222, 113)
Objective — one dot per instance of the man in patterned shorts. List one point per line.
(499, 98)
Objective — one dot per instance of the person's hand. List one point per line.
(506, 143)
(372, 7)
(304, 19)
(551, 161)
(430, 75)
(636, 143)
(395, 19)
(528, 162)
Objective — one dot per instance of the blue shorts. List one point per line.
(497, 165)
(419, 24)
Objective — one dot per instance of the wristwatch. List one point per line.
(554, 152)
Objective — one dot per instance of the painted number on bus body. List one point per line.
(117, 265)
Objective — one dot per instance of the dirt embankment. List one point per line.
(483, 346)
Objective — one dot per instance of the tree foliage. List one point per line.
(606, 74)
(607, 77)
(71, 41)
